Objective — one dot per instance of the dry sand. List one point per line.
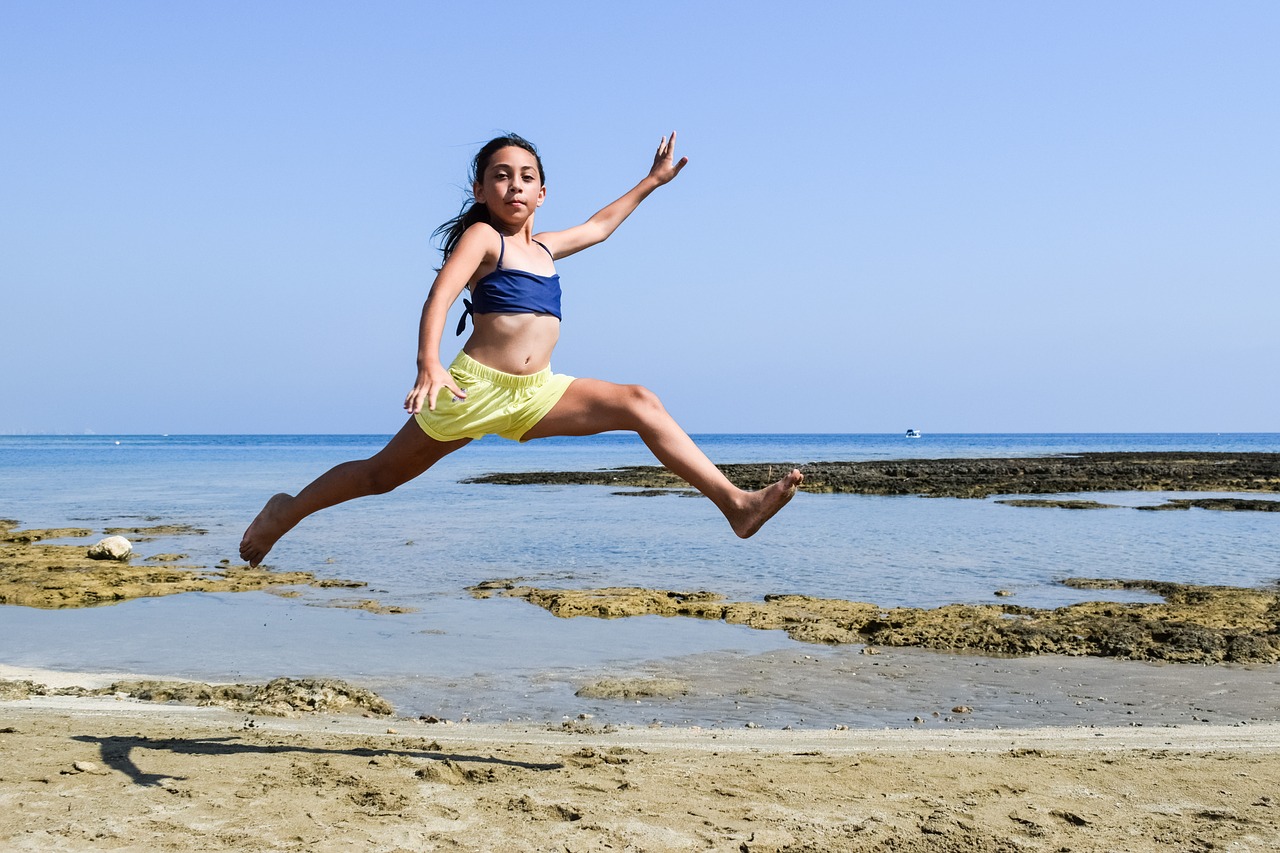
(112, 774)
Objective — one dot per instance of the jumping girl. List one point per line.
(501, 382)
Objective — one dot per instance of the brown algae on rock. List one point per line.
(34, 574)
(634, 688)
(1056, 503)
(280, 697)
(154, 531)
(966, 478)
(1193, 624)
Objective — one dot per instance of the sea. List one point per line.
(500, 659)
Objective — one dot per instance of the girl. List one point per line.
(501, 382)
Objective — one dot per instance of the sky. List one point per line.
(216, 217)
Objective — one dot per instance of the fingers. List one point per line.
(431, 392)
(666, 147)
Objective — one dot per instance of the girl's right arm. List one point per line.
(470, 252)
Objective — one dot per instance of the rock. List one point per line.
(634, 688)
(111, 548)
(970, 478)
(85, 767)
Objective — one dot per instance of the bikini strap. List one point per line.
(545, 249)
(502, 250)
(462, 321)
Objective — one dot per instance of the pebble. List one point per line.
(85, 767)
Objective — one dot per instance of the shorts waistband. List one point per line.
(486, 373)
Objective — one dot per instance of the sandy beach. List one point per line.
(117, 774)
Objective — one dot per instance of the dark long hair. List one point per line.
(474, 211)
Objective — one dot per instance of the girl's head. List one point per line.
(475, 210)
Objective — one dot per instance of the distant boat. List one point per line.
(913, 433)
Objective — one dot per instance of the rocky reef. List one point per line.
(36, 574)
(1193, 624)
(966, 478)
(280, 697)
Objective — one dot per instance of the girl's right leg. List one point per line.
(592, 406)
(410, 452)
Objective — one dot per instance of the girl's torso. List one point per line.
(516, 311)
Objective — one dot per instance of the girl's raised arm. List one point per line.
(461, 265)
(606, 221)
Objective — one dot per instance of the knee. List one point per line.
(641, 403)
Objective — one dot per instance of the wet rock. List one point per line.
(20, 689)
(1056, 503)
(966, 478)
(35, 574)
(146, 534)
(634, 688)
(281, 697)
(1193, 624)
(1219, 504)
(111, 548)
(10, 533)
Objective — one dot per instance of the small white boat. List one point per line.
(913, 433)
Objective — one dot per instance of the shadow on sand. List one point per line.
(118, 753)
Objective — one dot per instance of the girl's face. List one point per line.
(511, 185)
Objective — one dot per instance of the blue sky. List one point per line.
(959, 217)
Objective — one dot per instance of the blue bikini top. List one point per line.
(506, 291)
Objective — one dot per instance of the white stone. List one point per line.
(111, 548)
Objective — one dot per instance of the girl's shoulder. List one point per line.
(482, 229)
(481, 235)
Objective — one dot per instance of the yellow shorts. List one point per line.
(497, 403)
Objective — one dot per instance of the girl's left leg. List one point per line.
(593, 406)
(409, 453)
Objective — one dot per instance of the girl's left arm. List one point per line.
(606, 221)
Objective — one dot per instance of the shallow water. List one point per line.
(501, 659)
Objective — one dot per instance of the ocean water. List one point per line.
(499, 659)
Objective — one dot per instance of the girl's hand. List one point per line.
(431, 382)
(664, 169)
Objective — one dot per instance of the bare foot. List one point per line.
(763, 505)
(266, 529)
